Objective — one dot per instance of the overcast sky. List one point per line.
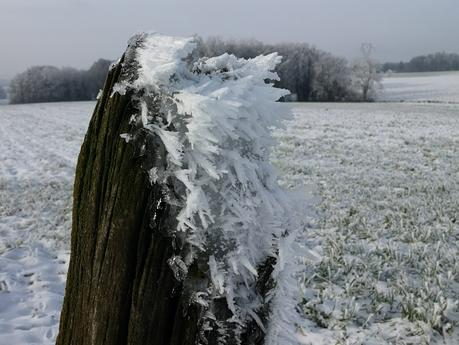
(77, 32)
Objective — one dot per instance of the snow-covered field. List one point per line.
(421, 87)
(39, 144)
(385, 178)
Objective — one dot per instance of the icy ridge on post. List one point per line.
(216, 115)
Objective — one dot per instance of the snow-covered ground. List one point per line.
(386, 177)
(39, 144)
(421, 87)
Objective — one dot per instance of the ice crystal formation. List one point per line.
(212, 116)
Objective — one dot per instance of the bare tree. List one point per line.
(52, 84)
(440, 61)
(332, 79)
(307, 72)
(365, 72)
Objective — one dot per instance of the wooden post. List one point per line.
(120, 286)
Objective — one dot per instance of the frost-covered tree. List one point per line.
(297, 69)
(51, 84)
(95, 76)
(440, 61)
(332, 79)
(365, 72)
(41, 83)
(302, 70)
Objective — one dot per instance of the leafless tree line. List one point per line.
(426, 63)
(309, 73)
(52, 84)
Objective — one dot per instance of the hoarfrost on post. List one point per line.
(215, 115)
(99, 94)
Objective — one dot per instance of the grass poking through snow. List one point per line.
(387, 180)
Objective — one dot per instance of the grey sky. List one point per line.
(77, 32)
